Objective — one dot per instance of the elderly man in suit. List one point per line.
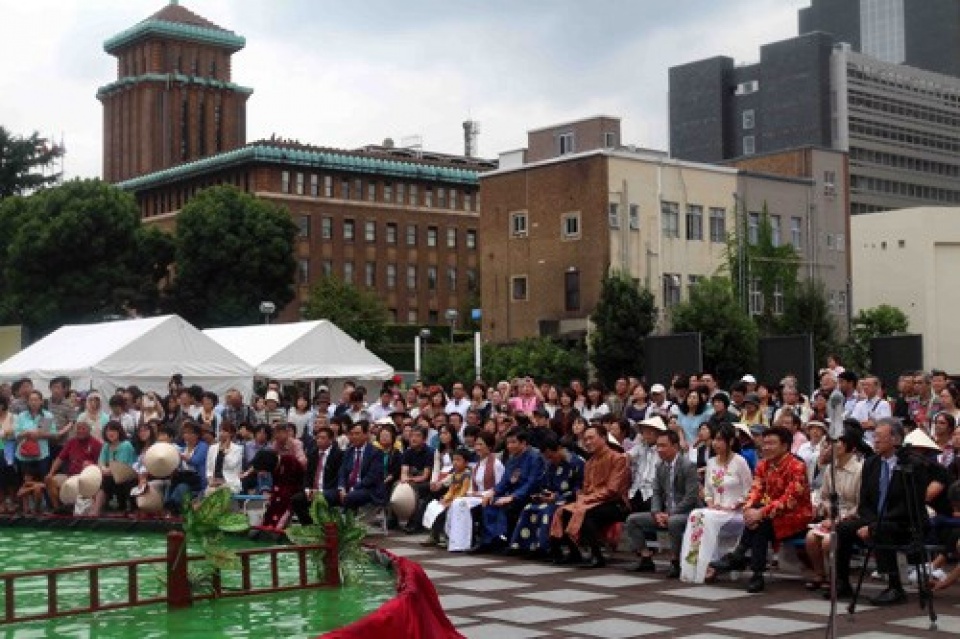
(323, 472)
(676, 491)
(361, 474)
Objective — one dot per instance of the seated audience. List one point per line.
(190, 479)
(434, 517)
(225, 460)
(464, 513)
(361, 473)
(416, 469)
(643, 460)
(80, 451)
(323, 473)
(115, 450)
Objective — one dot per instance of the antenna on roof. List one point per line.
(471, 130)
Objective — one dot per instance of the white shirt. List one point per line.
(458, 406)
(871, 410)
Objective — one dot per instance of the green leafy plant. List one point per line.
(350, 534)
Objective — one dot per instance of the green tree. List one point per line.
(360, 314)
(806, 311)
(21, 162)
(233, 251)
(625, 314)
(77, 253)
(870, 323)
(773, 268)
(729, 336)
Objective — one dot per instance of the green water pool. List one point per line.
(301, 613)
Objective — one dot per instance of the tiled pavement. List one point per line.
(496, 597)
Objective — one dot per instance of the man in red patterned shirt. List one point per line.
(778, 507)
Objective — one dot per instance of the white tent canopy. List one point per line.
(301, 351)
(145, 352)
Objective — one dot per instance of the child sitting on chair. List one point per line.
(435, 516)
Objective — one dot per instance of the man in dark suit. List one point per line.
(361, 474)
(323, 472)
(883, 516)
(676, 491)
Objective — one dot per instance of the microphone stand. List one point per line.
(835, 411)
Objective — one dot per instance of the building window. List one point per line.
(357, 190)
(327, 186)
(518, 288)
(304, 226)
(370, 231)
(841, 302)
(393, 315)
(299, 183)
(471, 239)
(411, 234)
(441, 197)
(753, 228)
(564, 143)
(414, 196)
(748, 87)
(428, 197)
(391, 234)
(433, 317)
(451, 278)
(303, 271)
(370, 274)
(749, 145)
(778, 298)
(571, 290)
(412, 316)
(467, 201)
(412, 277)
(832, 302)
(829, 241)
(344, 189)
(314, 185)
(348, 230)
(718, 225)
(609, 140)
(371, 191)
(775, 230)
(796, 233)
(401, 193)
(570, 226)
(613, 215)
(391, 276)
(471, 279)
(327, 268)
(387, 192)
(756, 297)
(634, 217)
(670, 212)
(326, 228)
(451, 237)
(284, 181)
(671, 289)
(431, 278)
(518, 224)
(694, 222)
(348, 272)
(749, 119)
(453, 199)
(431, 236)
(841, 243)
(693, 280)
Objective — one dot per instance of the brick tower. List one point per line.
(173, 100)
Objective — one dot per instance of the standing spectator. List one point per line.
(93, 414)
(63, 411)
(236, 412)
(33, 431)
(273, 414)
(9, 481)
(22, 388)
(120, 414)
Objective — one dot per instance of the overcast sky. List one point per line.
(345, 74)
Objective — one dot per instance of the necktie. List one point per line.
(884, 484)
(355, 471)
(319, 479)
(671, 497)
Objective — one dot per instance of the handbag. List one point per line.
(29, 448)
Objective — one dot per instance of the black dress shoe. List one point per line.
(730, 561)
(674, 572)
(596, 561)
(644, 565)
(756, 584)
(889, 597)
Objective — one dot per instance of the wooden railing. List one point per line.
(178, 591)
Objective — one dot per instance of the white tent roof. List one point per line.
(305, 350)
(144, 352)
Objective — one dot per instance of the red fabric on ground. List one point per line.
(415, 612)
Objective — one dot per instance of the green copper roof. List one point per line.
(163, 28)
(167, 77)
(317, 159)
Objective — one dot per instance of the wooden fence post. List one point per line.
(178, 587)
(332, 556)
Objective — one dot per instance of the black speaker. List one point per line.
(894, 354)
(787, 354)
(668, 355)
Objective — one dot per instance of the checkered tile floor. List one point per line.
(507, 598)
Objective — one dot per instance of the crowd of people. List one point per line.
(716, 476)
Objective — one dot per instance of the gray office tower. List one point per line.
(900, 124)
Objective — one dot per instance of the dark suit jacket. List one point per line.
(371, 471)
(896, 505)
(686, 487)
(331, 470)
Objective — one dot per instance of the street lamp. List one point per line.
(451, 315)
(267, 309)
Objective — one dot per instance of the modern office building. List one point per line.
(924, 34)
(402, 222)
(554, 226)
(899, 124)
